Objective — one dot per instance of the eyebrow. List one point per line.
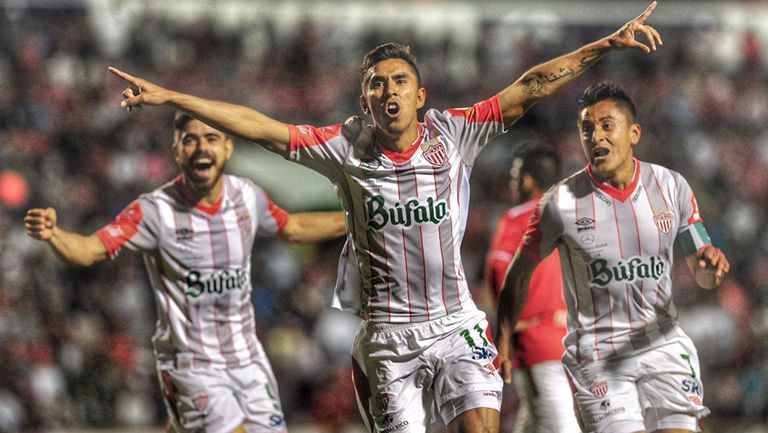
(395, 76)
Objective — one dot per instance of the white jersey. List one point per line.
(616, 251)
(406, 212)
(199, 264)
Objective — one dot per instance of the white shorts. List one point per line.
(659, 388)
(214, 400)
(405, 374)
(547, 400)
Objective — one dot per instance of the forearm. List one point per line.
(545, 79)
(309, 227)
(236, 120)
(511, 300)
(77, 249)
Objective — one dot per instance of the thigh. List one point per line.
(477, 420)
(259, 398)
(670, 389)
(393, 391)
(200, 400)
(607, 398)
(466, 375)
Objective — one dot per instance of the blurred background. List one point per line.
(74, 343)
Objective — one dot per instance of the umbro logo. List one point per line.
(584, 224)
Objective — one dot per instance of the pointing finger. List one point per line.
(647, 13)
(124, 75)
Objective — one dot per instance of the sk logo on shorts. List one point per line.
(201, 402)
(663, 221)
(599, 387)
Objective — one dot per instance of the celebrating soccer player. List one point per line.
(615, 223)
(197, 233)
(424, 351)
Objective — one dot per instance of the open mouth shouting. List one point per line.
(201, 168)
(600, 154)
(392, 109)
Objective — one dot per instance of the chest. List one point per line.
(600, 226)
(197, 240)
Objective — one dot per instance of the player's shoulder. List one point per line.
(166, 192)
(521, 212)
(576, 184)
(661, 174)
(237, 185)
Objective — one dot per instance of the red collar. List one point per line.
(618, 194)
(401, 157)
(188, 197)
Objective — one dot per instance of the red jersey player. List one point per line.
(538, 340)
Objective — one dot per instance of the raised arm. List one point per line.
(74, 248)
(709, 266)
(309, 227)
(512, 298)
(543, 80)
(233, 119)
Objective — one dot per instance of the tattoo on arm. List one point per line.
(534, 83)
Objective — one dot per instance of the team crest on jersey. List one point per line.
(200, 401)
(599, 387)
(382, 402)
(184, 234)
(434, 151)
(663, 221)
(244, 222)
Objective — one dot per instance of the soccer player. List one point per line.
(423, 351)
(197, 233)
(537, 343)
(614, 223)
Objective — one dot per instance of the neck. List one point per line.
(206, 197)
(397, 142)
(622, 177)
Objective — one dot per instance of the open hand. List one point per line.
(40, 223)
(625, 36)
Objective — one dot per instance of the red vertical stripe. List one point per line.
(621, 252)
(423, 255)
(440, 238)
(405, 254)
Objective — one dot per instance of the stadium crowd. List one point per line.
(74, 343)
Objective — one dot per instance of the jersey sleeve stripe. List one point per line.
(302, 136)
(278, 213)
(115, 234)
(483, 111)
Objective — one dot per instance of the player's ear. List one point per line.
(421, 97)
(364, 105)
(634, 133)
(229, 147)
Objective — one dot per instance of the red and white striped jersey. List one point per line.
(199, 264)
(616, 251)
(406, 212)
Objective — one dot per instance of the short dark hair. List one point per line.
(607, 90)
(542, 164)
(391, 50)
(180, 120)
